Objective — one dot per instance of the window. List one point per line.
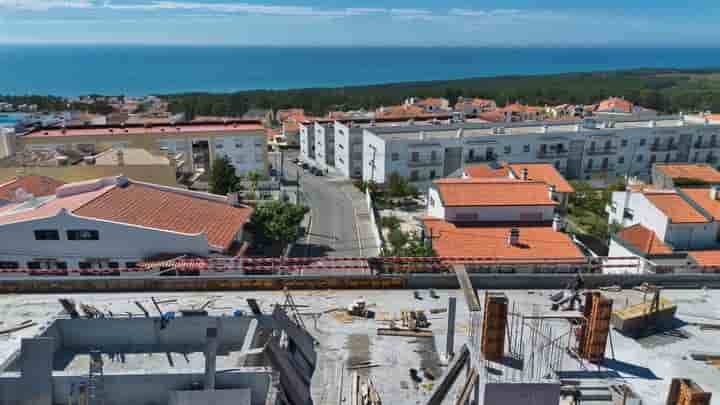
(589, 163)
(239, 145)
(592, 145)
(667, 157)
(341, 146)
(508, 149)
(395, 156)
(34, 265)
(557, 164)
(84, 265)
(415, 156)
(639, 158)
(623, 143)
(621, 160)
(47, 234)
(9, 265)
(642, 142)
(83, 234)
(432, 174)
(414, 176)
(652, 159)
(130, 265)
(433, 155)
(113, 265)
(61, 265)
(526, 148)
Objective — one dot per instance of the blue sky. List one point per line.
(366, 23)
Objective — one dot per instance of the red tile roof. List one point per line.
(156, 207)
(615, 104)
(701, 196)
(516, 107)
(698, 171)
(709, 257)
(675, 207)
(492, 192)
(142, 130)
(484, 170)
(39, 186)
(536, 242)
(545, 172)
(644, 240)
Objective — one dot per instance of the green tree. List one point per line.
(399, 186)
(222, 177)
(277, 221)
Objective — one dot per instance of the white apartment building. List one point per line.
(591, 149)
(348, 149)
(114, 222)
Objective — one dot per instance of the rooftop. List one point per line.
(675, 207)
(701, 196)
(130, 156)
(545, 172)
(146, 130)
(643, 240)
(486, 170)
(697, 171)
(537, 242)
(38, 186)
(492, 192)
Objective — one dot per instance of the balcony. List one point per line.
(659, 147)
(481, 158)
(424, 162)
(711, 159)
(602, 151)
(706, 145)
(552, 154)
(601, 168)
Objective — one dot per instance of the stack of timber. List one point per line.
(639, 319)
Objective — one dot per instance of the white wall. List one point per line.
(529, 213)
(435, 207)
(374, 149)
(644, 212)
(342, 149)
(618, 250)
(304, 142)
(246, 153)
(692, 236)
(118, 242)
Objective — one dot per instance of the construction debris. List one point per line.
(359, 308)
(404, 332)
(414, 319)
(23, 325)
(363, 392)
(69, 307)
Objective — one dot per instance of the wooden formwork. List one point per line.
(494, 323)
(685, 392)
(597, 311)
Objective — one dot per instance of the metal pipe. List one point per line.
(210, 357)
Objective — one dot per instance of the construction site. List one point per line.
(577, 345)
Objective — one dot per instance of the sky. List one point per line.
(368, 23)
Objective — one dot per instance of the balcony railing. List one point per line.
(481, 158)
(550, 154)
(706, 145)
(711, 159)
(659, 147)
(424, 162)
(602, 151)
(601, 168)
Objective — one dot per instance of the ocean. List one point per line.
(139, 70)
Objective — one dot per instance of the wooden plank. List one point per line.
(441, 390)
(470, 296)
(404, 332)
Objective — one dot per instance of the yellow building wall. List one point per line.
(157, 174)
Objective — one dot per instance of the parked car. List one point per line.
(296, 161)
(319, 172)
(305, 166)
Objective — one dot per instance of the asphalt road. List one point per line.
(333, 230)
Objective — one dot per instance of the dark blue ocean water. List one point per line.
(137, 70)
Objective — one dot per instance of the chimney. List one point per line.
(552, 193)
(514, 237)
(558, 223)
(210, 357)
(524, 173)
(714, 191)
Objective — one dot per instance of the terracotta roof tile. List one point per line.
(675, 207)
(536, 242)
(545, 172)
(484, 170)
(701, 196)
(709, 257)
(152, 207)
(615, 103)
(698, 171)
(644, 240)
(140, 130)
(39, 186)
(492, 192)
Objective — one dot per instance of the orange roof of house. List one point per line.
(38, 186)
(484, 170)
(297, 113)
(698, 171)
(675, 207)
(537, 242)
(154, 207)
(545, 172)
(712, 117)
(430, 101)
(141, 130)
(644, 240)
(492, 192)
(492, 116)
(710, 257)
(701, 196)
(517, 107)
(400, 110)
(615, 103)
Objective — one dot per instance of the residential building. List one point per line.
(517, 112)
(296, 113)
(474, 106)
(115, 222)
(348, 149)
(666, 175)
(429, 105)
(501, 219)
(618, 106)
(24, 187)
(564, 111)
(243, 143)
(590, 149)
(264, 115)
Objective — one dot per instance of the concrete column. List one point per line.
(210, 358)
(450, 349)
(36, 361)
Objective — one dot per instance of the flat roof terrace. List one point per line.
(146, 130)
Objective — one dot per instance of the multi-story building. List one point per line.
(243, 143)
(114, 222)
(591, 149)
(348, 149)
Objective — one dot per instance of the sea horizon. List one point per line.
(135, 69)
